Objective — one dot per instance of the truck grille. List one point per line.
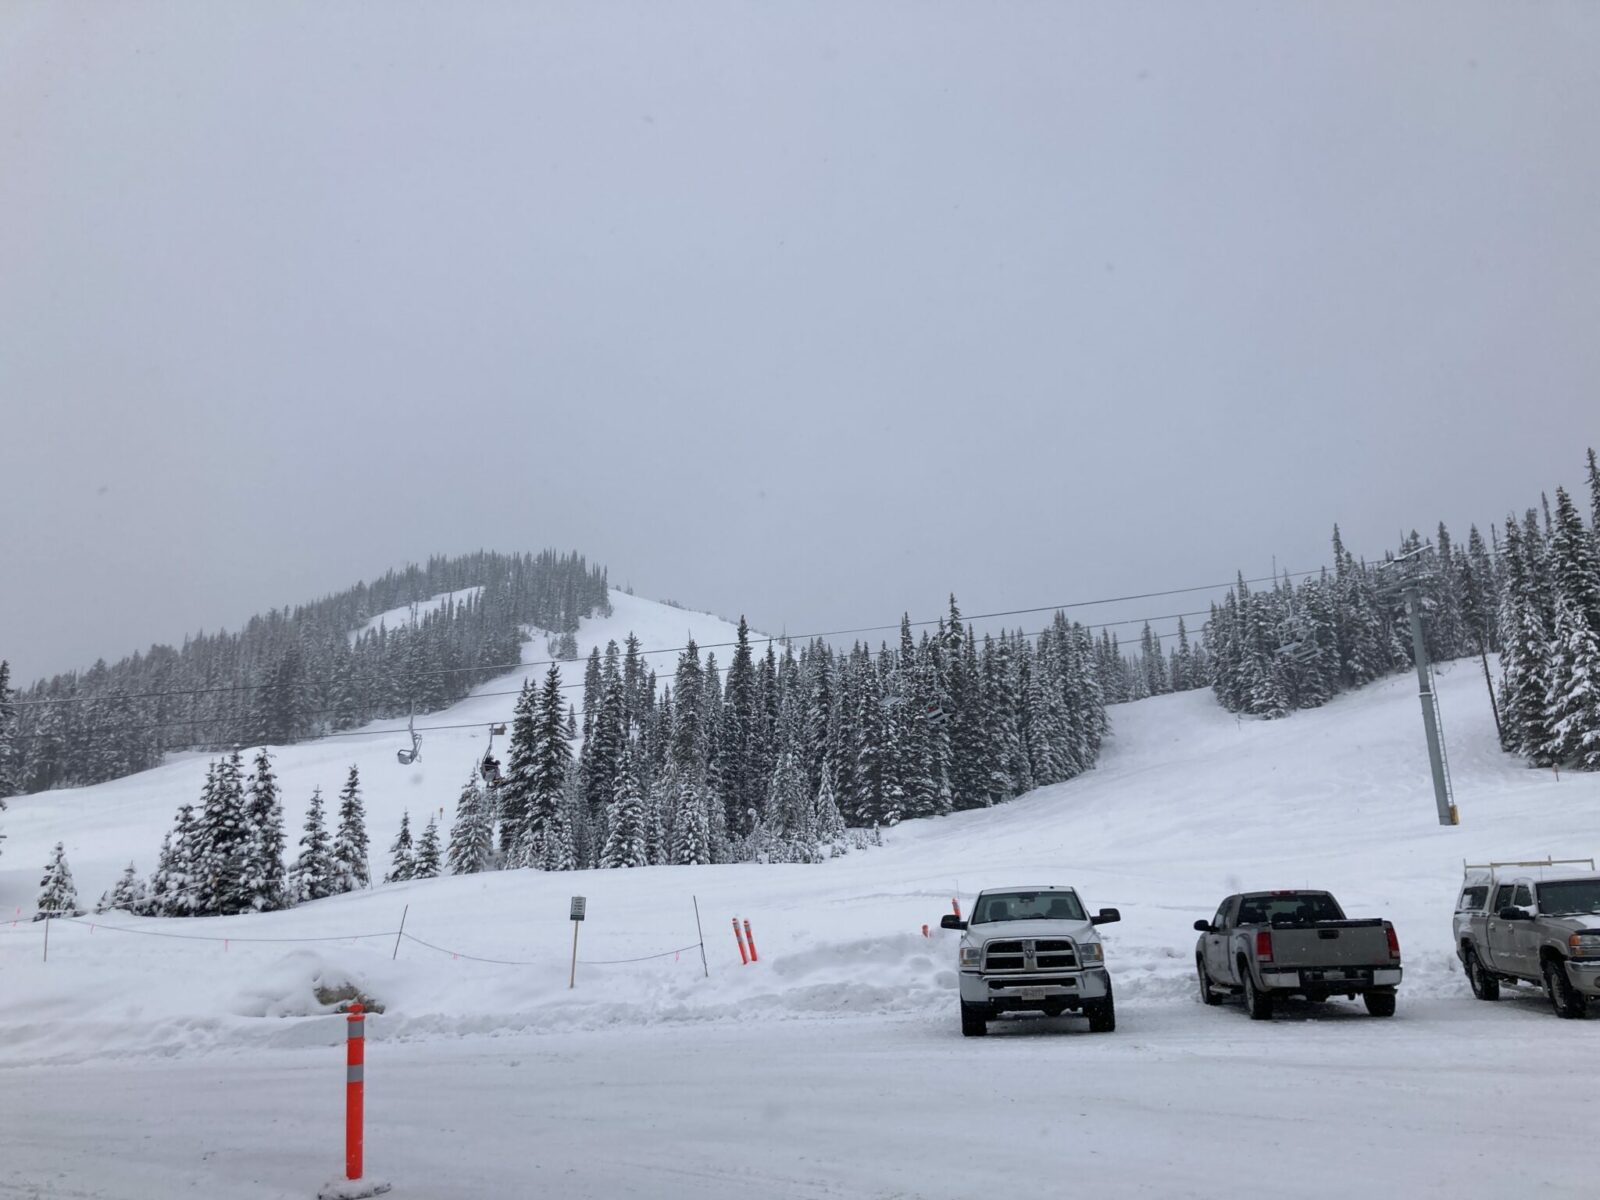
(1027, 955)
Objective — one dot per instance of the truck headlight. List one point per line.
(971, 957)
(1091, 954)
(1584, 945)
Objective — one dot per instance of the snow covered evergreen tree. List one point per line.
(625, 839)
(312, 876)
(472, 834)
(516, 788)
(428, 864)
(57, 895)
(8, 748)
(127, 896)
(264, 882)
(547, 774)
(172, 891)
(350, 868)
(402, 855)
(224, 842)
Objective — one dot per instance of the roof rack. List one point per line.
(1539, 862)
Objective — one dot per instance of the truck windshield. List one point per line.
(1570, 896)
(1027, 906)
(1289, 908)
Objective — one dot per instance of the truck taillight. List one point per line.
(1394, 941)
(1263, 946)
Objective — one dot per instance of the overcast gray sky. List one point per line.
(815, 312)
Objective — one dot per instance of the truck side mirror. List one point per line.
(1511, 913)
(951, 921)
(1202, 926)
(1106, 917)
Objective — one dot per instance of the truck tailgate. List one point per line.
(1332, 944)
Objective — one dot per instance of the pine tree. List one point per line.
(264, 818)
(1572, 698)
(515, 791)
(1524, 654)
(402, 854)
(691, 833)
(172, 890)
(625, 840)
(9, 766)
(127, 896)
(427, 863)
(224, 842)
(312, 876)
(57, 895)
(350, 869)
(551, 758)
(472, 834)
(829, 822)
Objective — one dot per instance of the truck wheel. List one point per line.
(974, 1019)
(1102, 1014)
(1207, 994)
(1484, 985)
(1380, 1004)
(1567, 1000)
(1256, 1002)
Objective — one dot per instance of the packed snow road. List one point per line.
(1451, 1097)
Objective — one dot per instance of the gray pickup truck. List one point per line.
(1532, 922)
(1262, 945)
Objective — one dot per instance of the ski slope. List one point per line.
(834, 1067)
(107, 825)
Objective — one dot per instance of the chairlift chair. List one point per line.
(489, 767)
(414, 754)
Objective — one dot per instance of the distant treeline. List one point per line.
(778, 755)
(295, 673)
(1531, 593)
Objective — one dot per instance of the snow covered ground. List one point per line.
(140, 1066)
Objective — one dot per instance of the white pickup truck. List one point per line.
(1033, 949)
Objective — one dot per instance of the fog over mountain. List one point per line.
(815, 314)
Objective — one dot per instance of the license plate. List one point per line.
(1033, 993)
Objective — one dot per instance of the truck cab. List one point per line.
(1033, 949)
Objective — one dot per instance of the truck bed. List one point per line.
(1330, 944)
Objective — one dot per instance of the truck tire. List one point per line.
(1484, 985)
(1208, 994)
(1102, 1014)
(1256, 1002)
(974, 1019)
(1568, 1001)
(1380, 1004)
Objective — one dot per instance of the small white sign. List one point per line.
(577, 907)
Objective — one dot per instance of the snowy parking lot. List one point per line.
(1450, 1098)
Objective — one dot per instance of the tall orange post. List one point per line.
(751, 938)
(955, 907)
(744, 959)
(354, 1085)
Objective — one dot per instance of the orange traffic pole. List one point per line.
(744, 959)
(355, 1066)
(955, 907)
(751, 938)
(925, 932)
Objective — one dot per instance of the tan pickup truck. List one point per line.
(1532, 922)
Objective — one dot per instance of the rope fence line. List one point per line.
(38, 928)
(205, 937)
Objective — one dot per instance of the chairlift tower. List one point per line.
(1442, 794)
